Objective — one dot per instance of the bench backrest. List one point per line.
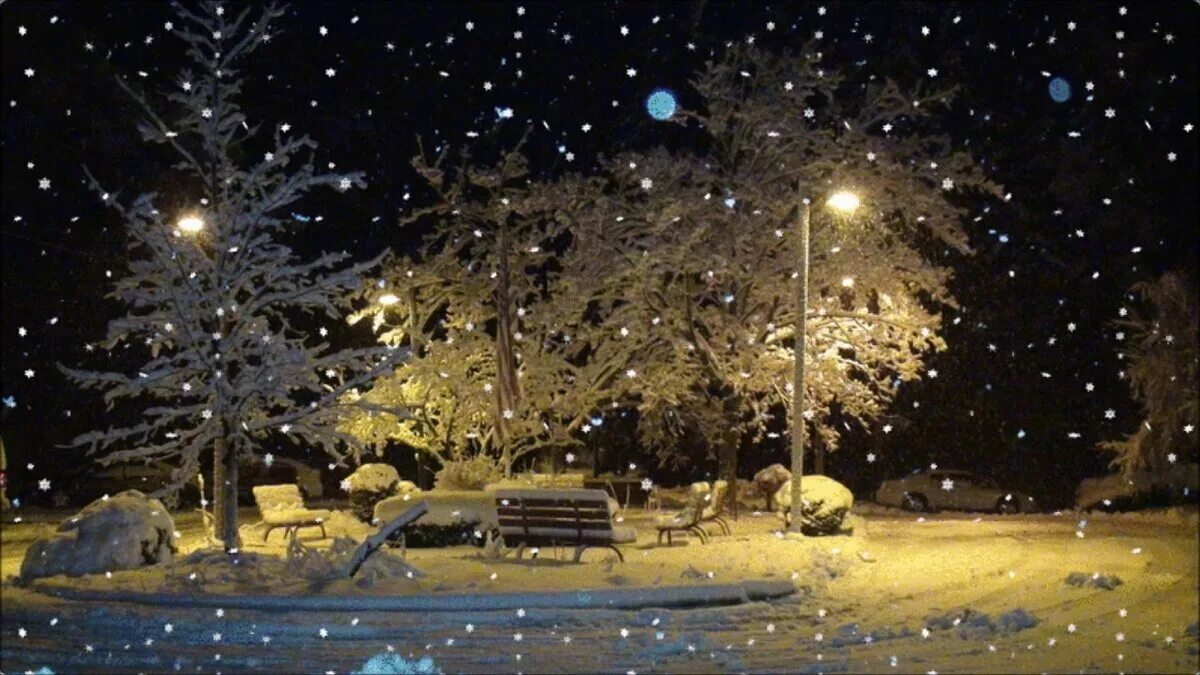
(546, 513)
(278, 497)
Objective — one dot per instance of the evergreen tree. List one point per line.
(222, 313)
(1164, 374)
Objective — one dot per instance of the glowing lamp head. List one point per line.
(388, 299)
(847, 282)
(190, 224)
(843, 202)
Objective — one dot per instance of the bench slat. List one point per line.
(583, 514)
(521, 523)
(553, 503)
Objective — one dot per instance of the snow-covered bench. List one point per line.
(282, 506)
(579, 518)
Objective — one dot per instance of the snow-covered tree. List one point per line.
(223, 317)
(1163, 372)
(688, 260)
(492, 371)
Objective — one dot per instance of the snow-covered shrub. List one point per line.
(824, 504)
(124, 532)
(390, 663)
(370, 484)
(467, 474)
(769, 479)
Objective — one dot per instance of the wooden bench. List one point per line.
(282, 506)
(579, 518)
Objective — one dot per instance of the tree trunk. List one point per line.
(225, 502)
(819, 455)
(507, 390)
(727, 458)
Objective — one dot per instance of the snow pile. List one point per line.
(1096, 580)
(318, 565)
(390, 663)
(972, 624)
(124, 532)
(371, 484)
(824, 504)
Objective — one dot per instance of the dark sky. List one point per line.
(1103, 185)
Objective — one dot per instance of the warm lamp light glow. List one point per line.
(191, 224)
(388, 299)
(847, 282)
(846, 202)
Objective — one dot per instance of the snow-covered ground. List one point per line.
(862, 607)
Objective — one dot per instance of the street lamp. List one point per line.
(190, 224)
(846, 203)
(388, 299)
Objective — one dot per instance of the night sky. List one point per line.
(1103, 185)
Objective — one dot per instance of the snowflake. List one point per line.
(933, 373)
(323, 633)
(285, 428)
(344, 184)
(268, 459)
(647, 484)
(1110, 414)
(44, 184)
(206, 113)
(44, 485)
(887, 428)
(345, 485)
(947, 184)
(870, 458)
(947, 485)
(647, 183)
(570, 457)
(631, 373)
(330, 72)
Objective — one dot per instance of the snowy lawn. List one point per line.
(991, 591)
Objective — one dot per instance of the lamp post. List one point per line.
(845, 202)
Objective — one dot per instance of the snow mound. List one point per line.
(124, 532)
(824, 504)
(393, 664)
(976, 624)
(371, 484)
(1097, 580)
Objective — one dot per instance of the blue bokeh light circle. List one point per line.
(661, 104)
(1060, 90)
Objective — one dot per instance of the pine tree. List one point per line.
(222, 313)
(1164, 374)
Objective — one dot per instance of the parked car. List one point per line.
(1178, 485)
(928, 490)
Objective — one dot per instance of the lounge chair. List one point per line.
(282, 506)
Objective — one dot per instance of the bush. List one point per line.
(425, 535)
(467, 474)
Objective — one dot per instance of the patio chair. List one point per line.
(282, 506)
(688, 518)
(714, 508)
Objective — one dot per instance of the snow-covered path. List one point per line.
(856, 617)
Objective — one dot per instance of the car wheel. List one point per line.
(1007, 506)
(916, 503)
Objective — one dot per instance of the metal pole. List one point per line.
(798, 379)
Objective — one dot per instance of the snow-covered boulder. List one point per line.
(824, 504)
(371, 484)
(124, 532)
(769, 480)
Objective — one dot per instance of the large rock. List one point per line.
(124, 532)
(768, 481)
(371, 484)
(824, 504)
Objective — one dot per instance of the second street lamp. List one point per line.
(846, 203)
